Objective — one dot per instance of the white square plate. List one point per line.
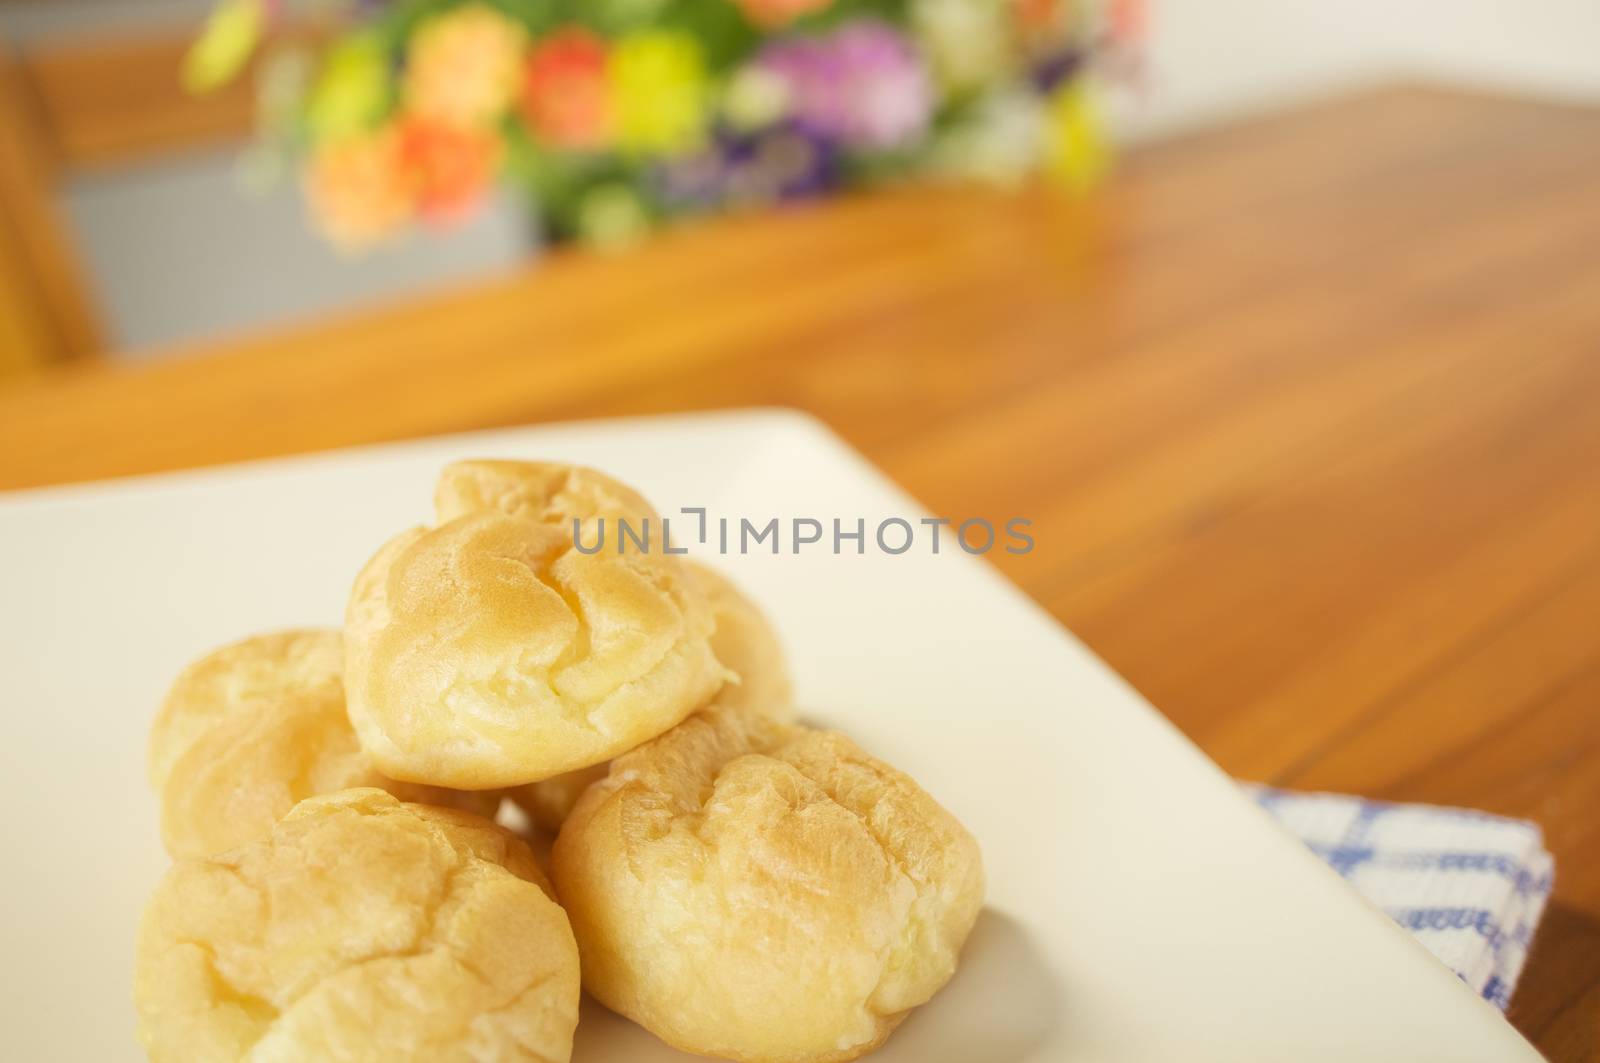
(1140, 910)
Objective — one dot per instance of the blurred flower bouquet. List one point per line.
(616, 115)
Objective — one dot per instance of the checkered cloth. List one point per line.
(1470, 886)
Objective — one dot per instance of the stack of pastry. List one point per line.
(742, 885)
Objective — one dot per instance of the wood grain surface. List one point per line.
(1306, 413)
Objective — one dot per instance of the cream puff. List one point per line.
(359, 929)
(764, 892)
(744, 642)
(748, 646)
(255, 727)
(490, 651)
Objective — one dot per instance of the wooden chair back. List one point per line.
(78, 104)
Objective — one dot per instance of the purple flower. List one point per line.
(787, 162)
(863, 85)
(692, 182)
(780, 163)
(1048, 73)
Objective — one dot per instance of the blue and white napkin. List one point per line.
(1469, 885)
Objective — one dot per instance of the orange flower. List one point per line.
(1038, 15)
(770, 14)
(564, 93)
(462, 66)
(357, 190)
(448, 166)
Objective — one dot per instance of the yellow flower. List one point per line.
(1079, 151)
(230, 36)
(464, 66)
(658, 89)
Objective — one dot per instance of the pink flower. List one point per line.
(864, 85)
(1128, 21)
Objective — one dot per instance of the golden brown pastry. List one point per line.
(252, 728)
(488, 651)
(748, 646)
(360, 929)
(548, 492)
(549, 801)
(744, 642)
(764, 892)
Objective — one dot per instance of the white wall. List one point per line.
(1210, 60)
(1547, 46)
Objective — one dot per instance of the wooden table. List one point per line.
(1307, 414)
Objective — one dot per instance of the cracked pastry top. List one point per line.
(744, 642)
(254, 727)
(361, 929)
(488, 651)
(764, 892)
